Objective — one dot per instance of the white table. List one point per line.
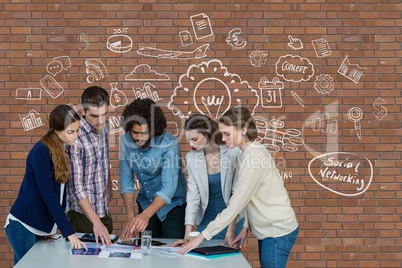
(55, 253)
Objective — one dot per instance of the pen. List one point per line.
(298, 99)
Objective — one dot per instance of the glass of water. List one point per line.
(146, 241)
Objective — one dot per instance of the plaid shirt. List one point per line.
(89, 169)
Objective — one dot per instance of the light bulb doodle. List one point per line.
(209, 88)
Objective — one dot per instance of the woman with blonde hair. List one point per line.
(38, 210)
(260, 189)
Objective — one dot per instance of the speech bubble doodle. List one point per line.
(341, 168)
(58, 64)
(294, 68)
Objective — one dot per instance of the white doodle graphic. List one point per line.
(201, 26)
(96, 70)
(117, 97)
(82, 42)
(271, 92)
(380, 110)
(114, 124)
(28, 94)
(295, 43)
(185, 38)
(52, 87)
(197, 53)
(355, 114)
(298, 99)
(58, 64)
(173, 128)
(323, 122)
(324, 84)
(258, 58)
(144, 72)
(343, 169)
(146, 92)
(351, 71)
(31, 120)
(233, 40)
(119, 42)
(321, 47)
(294, 68)
(208, 88)
(269, 135)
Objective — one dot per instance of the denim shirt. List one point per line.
(157, 167)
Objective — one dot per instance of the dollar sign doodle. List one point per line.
(381, 111)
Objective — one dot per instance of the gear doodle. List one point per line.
(258, 58)
(324, 84)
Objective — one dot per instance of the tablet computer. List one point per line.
(214, 250)
(91, 238)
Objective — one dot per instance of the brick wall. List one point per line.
(330, 67)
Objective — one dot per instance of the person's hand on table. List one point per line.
(101, 232)
(139, 223)
(75, 242)
(127, 234)
(229, 237)
(191, 245)
(179, 242)
(240, 238)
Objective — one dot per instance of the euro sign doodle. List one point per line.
(381, 111)
(233, 41)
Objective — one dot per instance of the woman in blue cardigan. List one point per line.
(39, 209)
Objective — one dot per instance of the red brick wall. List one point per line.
(340, 224)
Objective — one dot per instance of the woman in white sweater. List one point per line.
(260, 189)
(212, 176)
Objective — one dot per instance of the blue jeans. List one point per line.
(274, 252)
(21, 239)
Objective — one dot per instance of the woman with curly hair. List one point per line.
(153, 157)
(39, 209)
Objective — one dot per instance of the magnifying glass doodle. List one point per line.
(355, 114)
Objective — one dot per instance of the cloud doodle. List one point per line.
(144, 72)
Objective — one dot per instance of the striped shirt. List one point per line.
(89, 169)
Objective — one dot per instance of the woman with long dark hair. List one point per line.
(38, 210)
(212, 176)
(260, 189)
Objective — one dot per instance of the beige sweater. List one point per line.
(261, 191)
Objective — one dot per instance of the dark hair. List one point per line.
(144, 111)
(206, 126)
(240, 117)
(60, 118)
(94, 96)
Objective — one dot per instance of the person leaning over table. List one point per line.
(260, 189)
(152, 155)
(212, 176)
(39, 208)
(89, 189)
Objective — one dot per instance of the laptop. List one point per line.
(214, 250)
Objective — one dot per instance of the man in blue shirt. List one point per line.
(150, 161)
